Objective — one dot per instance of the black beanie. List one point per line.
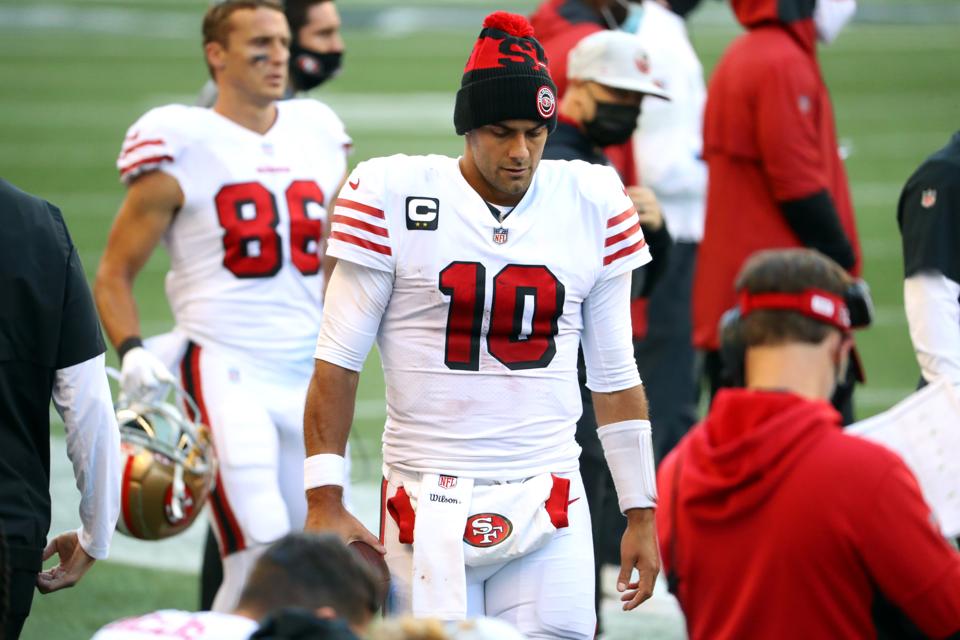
(506, 77)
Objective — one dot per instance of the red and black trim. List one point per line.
(229, 534)
(506, 77)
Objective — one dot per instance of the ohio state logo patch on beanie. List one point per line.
(546, 102)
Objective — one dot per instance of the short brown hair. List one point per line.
(310, 571)
(788, 271)
(216, 22)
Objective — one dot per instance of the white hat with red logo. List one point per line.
(614, 59)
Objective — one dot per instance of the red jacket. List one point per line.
(769, 136)
(559, 26)
(781, 526)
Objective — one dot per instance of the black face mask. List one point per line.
(309, 69)
(612, 123)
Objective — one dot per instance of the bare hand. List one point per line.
(74, 562)
(648, 208)
(325, 512)
(638, 549)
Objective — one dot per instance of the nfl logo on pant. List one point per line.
(447, 482)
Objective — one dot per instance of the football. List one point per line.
(375, 560)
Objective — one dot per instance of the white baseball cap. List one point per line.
(614, 59)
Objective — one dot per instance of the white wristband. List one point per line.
(628, 448)
(323, 469)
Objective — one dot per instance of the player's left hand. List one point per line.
(638, 550)
(74, 562)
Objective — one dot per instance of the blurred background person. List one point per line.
(668, 147)
(316, 56)
(775, 523)
(302, 581)
(316, 47)
(560, 25)
(238, 194)
(776, 176)
(929, 220)
(50, 346)
(606, 86)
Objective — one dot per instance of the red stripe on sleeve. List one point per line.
(626, 251)
(614, 221)
(153, 159)
(142, 143)
(622, 235)
(360, 242)
(359, 206)
(360, 224)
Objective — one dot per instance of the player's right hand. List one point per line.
(143, 375)
(326, 513)
(647, 206)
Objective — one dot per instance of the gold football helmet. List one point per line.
(169, 467)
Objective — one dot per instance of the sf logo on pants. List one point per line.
(487, 530)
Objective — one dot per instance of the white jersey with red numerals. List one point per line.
(479, 339)
(245, 248)
(172, 623)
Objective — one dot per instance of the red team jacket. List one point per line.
(769, 136)
(788, 528)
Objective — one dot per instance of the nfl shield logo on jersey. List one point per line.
(447, 482)
(928, 198)
(500, 235)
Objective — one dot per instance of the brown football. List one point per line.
(376, 562)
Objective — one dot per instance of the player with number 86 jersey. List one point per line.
(238, 194)
(245, 266)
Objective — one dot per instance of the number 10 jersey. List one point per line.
(245, 248)
(479, 338)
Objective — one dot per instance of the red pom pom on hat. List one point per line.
(511, 23)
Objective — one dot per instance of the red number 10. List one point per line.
(260, 231)
(514, 345)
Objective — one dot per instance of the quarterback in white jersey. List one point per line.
(238, 194)
(479, 277)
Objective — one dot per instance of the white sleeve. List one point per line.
(360, 230)
(153, 143)
(607, 338)
(624, 247)
(356, 300)
(932, 302)
(81, 395)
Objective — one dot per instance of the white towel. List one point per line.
(439, 575)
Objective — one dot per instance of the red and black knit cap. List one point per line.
(506, 77)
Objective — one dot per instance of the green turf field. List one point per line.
(76, 74)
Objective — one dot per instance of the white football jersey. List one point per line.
(479, 339)
(245, 248)
(172, 623)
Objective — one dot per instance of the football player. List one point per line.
(479, 277)
(238, 194)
